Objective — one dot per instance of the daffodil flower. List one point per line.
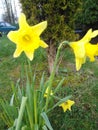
(27, 38)
(46, 92)
(91, 51)
(67, 105)
(79, 48)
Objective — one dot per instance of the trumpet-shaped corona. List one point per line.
(91, 51)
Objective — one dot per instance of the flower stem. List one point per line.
(35, 107)
(53, 74)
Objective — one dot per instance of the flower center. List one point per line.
(66, 103)
(26, 38)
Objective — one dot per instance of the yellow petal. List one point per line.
(94, 33)
(39, 28)
(91, 50)
(22, 21)
(70, 103)
(46, 92)
(43, 44)
(64, 106)
(30, 55)
(13, 36)
(87, 36)
(80, 51)
(17, 52)
(78, 64)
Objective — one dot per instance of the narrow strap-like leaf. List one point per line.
(47, 122)
(21, 111)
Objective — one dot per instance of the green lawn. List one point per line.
(83, 85)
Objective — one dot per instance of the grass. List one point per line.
(83, 85)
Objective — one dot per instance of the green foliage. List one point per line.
(60, 15)
(30, 102)
(89, 12)
(27, 105)
(82, 85)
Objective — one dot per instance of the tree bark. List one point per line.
(51, 53)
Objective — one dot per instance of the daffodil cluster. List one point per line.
(27, 39)
(83, 48)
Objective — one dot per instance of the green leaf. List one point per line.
(25, 128)
(47, 122)
(11, 128)
(21, 112)
(63, 70)
(12, 100)
(59, 102)
(45, 128)
(59, 85)
(19, 93)
(62, 100)
(35, 126)
(42, 87)
(42, 82)
(9, 113)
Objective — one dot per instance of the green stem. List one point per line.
(35, 107)
(53, 74)
(29, 70)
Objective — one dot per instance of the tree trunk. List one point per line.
(51, 52)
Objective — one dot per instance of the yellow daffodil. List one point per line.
(91, 51)
(67, 105)
(46, 92)
(79, 48)
(27, 38)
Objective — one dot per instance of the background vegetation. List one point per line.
(87, 17)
